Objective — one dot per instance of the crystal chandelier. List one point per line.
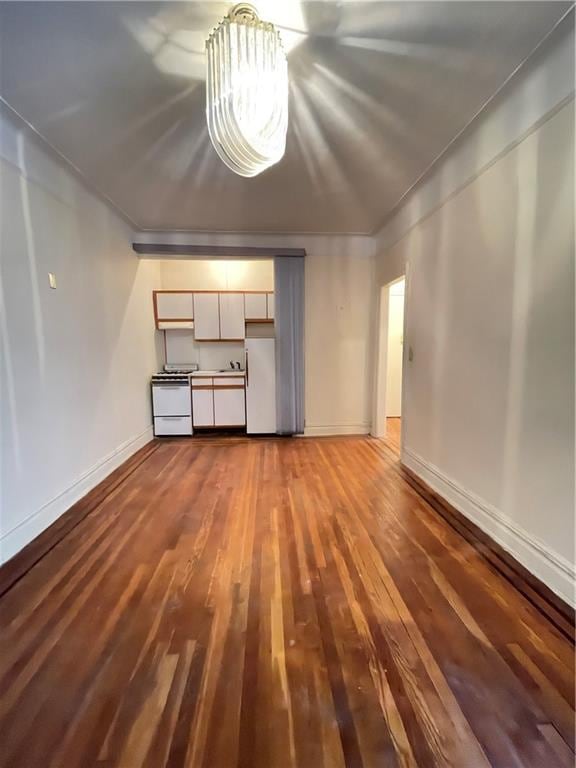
(247, 92)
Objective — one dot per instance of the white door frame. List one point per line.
(381, 368)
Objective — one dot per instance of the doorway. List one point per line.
(388, 390)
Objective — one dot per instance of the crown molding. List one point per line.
(468, 129)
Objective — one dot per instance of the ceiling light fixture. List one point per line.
(247, 91)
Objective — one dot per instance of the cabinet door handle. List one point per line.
(246, 367)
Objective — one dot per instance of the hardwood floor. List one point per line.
(393, 430)
(272, 603)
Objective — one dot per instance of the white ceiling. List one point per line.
(378, 90)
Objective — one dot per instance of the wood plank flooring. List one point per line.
(393, 432)
(270, 604)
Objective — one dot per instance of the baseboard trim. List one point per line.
(336, 429)
(542, 576)
(12, 541)
(86, 493)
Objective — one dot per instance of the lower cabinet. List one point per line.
(229, 407)
(203, 407)
(218, 404)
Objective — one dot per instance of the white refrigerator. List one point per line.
(260, 386)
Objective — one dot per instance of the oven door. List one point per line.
(171, 399)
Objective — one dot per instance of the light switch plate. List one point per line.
(52, 279)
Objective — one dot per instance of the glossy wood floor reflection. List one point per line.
(393, 432)
(271, 604)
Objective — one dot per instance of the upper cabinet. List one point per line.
(214, 315)
(255, 306)
(206, 317)
(270, 302)
(232, 322)
(173, 305)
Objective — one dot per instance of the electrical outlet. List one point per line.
(52, 279)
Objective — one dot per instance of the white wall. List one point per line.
(543, 85)
(182, 349)
(489, 397)
(395, 348)
(217, 274)
(339, 304)
(75, 362)
(338, 335)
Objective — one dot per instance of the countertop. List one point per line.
(226, 372)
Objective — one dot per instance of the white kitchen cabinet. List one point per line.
(232, 316)
(229, 381)
(203, 407)
(270, 302)
(229, 407)
(206, 316)
(177, 305)
(255, 306)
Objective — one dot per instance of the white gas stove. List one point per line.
(175, 373)
(172, 401)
